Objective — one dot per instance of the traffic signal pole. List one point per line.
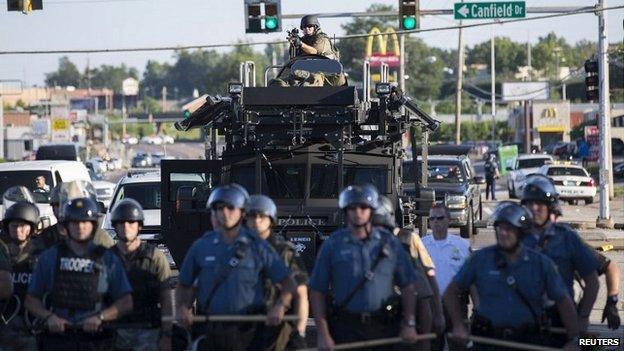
(604, 118)
(458, 86)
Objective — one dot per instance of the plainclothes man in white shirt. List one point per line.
(449, 252)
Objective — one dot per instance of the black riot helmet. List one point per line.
(513, 214)
(358, 195)
(262, 204)
(81, 209)
(539, 188)
(309, 20)
(384, 214)
(127, 210)
(232, 195)
(23, 211)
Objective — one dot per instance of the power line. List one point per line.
(351, 36)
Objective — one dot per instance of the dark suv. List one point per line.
(456, 185)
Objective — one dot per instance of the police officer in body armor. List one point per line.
(563, 245)
(84, 285)
(427, 292)
(228, 267)
(511, 280)
(150, 277)
(314, 41)
(261, 216)
(18, 230)
(53, 234)
(361, 264)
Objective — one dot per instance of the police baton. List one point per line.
(244, 318)
(505, 343)
(375, 342)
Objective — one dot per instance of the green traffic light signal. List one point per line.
(187, 113)
(409, 23)
(270, 23)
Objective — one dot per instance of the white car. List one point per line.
(520, 167)
(143, 187)
(130, 140)
(167, 139)
(571, 181)
(103, 189)
(152, 140)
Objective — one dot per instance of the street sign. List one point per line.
(489, 10)
(61, 129)
(130, 87)
(520, 91)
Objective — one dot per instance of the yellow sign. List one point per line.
(383, 41)
(549, 112)
(60, 124)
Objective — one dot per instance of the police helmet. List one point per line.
(81, 209)
(127, 210)
(538, 187)
(262, 204)
(232, 195)
(359, 195)
(384, 214)
(23, 211)
(309, 20)
(513, 214)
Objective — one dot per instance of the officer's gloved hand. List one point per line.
(296, 42)
(610, 313)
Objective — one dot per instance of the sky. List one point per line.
(97, 24)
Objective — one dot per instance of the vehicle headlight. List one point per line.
(456, 202)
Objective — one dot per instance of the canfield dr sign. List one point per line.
(488, 10)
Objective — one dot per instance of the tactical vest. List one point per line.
(21, 273)
(76, 279)
(287, 253)
(145, 286)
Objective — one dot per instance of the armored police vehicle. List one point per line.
(298, 143)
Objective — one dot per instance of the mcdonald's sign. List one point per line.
(549, 112)
(392, 58)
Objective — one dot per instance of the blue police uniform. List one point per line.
(344, 259)
(534, 274)
(243, 289)
(564, 246)
(113, 282)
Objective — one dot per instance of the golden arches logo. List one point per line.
(383, 38)
(549, 112)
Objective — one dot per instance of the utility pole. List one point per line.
(164, 98)
(1, 128)
(458, 87)
(530, 70)
(493, 74)
(604, 117)
(402, 62)
(123, 116)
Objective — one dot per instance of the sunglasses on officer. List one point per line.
(221, 206)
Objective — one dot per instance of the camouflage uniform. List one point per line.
(321, 43)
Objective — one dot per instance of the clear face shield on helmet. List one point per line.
(16, 194)
(75, 190)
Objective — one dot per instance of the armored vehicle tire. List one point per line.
(589, 200)
(467, 231)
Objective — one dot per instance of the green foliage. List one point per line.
(509, 56)
(21, 103)
(66, 74)
(472, 131)
(107, 76)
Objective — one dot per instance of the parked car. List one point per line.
(98, 165)
(167, 139)
(142, 160)
(520, 167)
(618, 170)
(572, 182)
(65, 152)
(54, 171)
(152, 140)
(130, 140)
(103, 189)
(617, 147)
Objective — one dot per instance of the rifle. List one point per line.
(293, 37)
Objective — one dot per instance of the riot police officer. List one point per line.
(150, 277)
(6, 280)
(53, 234)
(562, 244)
(19, 226)
(228, 266)
(314, 41)
(511, 280)
(361, 264)
(84, 284)
(429, 302)
(261, 216)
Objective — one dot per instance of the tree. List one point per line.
(112, 77)
(155, 77)
(66, 75)
(509, 56)
(425, 70)
(194, 70)
(547, 51)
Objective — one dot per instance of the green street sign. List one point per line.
(489, 10)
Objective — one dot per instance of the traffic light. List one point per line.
(263, 16)
(408, 14)
(592, 81)
(25, 6)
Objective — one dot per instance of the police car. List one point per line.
(144, 187)
(520, 167)
(572, 182)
